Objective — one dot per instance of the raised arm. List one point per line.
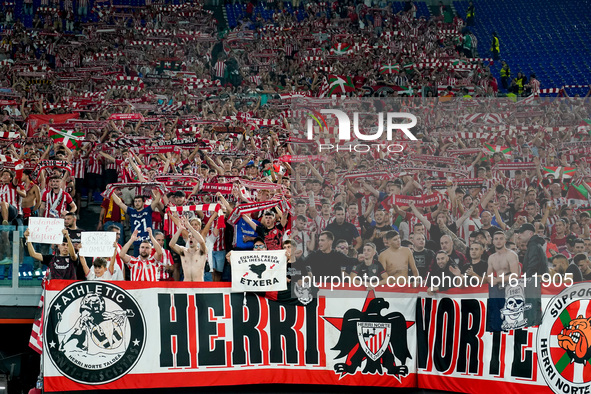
(84, 266)
(123, 253)
(37, 256)
(118, 201)
(175, 238)
(198, 237)
(71, 249)
(250, 222)
(113, 259)
(157, 247)
(420, 216)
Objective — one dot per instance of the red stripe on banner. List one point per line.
(480, 340)
(264, 313)
(174, 352)
(230, 378)
(503, 351)
(299, 325)
(192, 317)
(321, 337)
(448, 383)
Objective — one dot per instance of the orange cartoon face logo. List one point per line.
(576, 339)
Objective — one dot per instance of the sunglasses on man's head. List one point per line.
(259, 246)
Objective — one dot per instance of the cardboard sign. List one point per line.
(46, 230)
(97, 243)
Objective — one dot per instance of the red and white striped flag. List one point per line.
(36, 339)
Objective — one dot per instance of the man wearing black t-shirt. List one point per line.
(269, 230)
(325, 261)
(344, 230)
(376, 232)
(478, 260)
(61, 265)
(370, 266)
(424, 258)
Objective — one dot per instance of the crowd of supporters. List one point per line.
(192, 140)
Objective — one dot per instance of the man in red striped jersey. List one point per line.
(166, 265)
(56, 202)
(10, 195)
(144, 267)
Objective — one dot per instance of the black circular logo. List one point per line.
(94, 332)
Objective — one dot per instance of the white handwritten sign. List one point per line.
(97, 243)
(46, 230)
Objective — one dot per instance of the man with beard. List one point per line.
(535, 263)
(342, 229)
(56, 201)
(502, 265)
(144, 267)
(375, 232)
(140, 216)
(424, 258)
(194, 257)
(570, 272)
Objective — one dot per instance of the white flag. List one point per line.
(259, 271)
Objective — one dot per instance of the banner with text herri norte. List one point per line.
(125, 335)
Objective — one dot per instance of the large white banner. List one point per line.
(123, 335)
(259, 271)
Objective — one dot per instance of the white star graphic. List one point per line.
(57, 307)
(52, 344)
(136, 343)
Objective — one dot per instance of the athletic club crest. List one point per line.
(372, 340)
(564, 340)
(95, 332)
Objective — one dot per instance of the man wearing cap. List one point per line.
(535, 261)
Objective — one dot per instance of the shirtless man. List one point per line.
(194, 257)
(396, 260)
(32, 201)
(503, 261)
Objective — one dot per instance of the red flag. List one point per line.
(36, 340)
(34, 121)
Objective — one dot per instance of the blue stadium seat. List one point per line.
(539, 40)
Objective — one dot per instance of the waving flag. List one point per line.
(390, 69)
(340, 84)
(340, 48)
(567, 173)
(490, 149)
(584, 127)
(577, 195)
(70, 138)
